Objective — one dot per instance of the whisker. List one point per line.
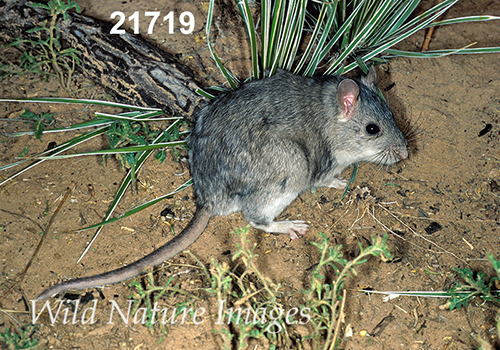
(411, 130)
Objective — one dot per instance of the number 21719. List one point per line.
(186, 19)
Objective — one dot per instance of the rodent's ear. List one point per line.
(347, 96)
(279, 71)
(370, 79)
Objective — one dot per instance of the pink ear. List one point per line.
(347, 95)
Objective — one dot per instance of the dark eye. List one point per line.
(372, 129)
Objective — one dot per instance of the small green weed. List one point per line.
(138, 133)
(324, 299)
(46, 55)
(127, 133)
(248, 301)
(474, 285)
(245, 291)
(46, 210)
(22, 339)
(40, 122)
(147, 298)
(24, 153)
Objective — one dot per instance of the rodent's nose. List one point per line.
(400, 152)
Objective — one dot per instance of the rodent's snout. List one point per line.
(401, 152)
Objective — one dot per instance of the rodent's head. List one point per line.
(367, 125)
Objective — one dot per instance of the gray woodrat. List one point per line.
(256, 149)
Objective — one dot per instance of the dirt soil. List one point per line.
(441, 207)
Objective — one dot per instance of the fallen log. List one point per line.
(131, 69)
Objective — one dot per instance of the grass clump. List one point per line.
(334, 37)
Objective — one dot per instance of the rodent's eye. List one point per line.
(372, 129)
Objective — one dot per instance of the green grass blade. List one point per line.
(88, 124)
(11, 165)
(391, 53)
(249, 25)
(351, 180)
(275, 33)
(58, 149)
(279, 28)
(106, 120)
(468, 19)
(297, 28)
(81, 101)
(203, 93)
(231, 79)
(424, 294)
(141, 158)
(141, 118)
(129, 149)
(141, 207)
(265, 28)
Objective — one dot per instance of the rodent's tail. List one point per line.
(180, 242)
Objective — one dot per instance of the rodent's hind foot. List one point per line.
(339, 182)
(288, 227)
